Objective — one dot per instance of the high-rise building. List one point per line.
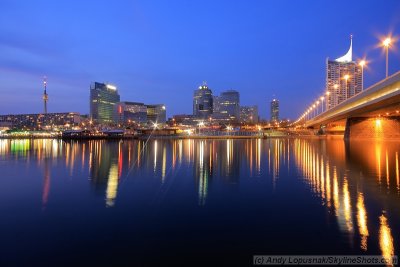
(227, 106)
(249, 114)
(202, 102)
(103, 98)
(274, 110)
(130, 112)
(156, 113)
(343, 78)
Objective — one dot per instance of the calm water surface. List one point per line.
(194, 202)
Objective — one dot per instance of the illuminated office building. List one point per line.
(343, 78)
(227, 106)
(203, 102)
(156, 113)
(274, 110)
(249, 114)
(130, 112)
(103, 98)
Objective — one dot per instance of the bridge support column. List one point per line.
(377, 127)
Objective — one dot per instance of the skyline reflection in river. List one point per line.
(260, 185)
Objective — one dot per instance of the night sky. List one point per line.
(160, 51)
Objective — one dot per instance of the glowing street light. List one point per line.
(313, 106)
(362, 64)
(386, 43)
(322, 103)
(346, 77)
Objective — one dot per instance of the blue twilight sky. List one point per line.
(160, 51)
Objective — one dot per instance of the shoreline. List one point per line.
(141, 138)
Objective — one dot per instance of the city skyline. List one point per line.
(160, 52)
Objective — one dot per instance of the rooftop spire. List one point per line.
(349, 55)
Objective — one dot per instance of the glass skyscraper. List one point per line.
(227, 106)
(343, 79)
(103, 98)
(275, 110)
(203, 102)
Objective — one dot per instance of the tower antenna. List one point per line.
(45, 96)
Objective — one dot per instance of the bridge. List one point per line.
(373, 112)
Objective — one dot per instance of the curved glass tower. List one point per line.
(202, 102)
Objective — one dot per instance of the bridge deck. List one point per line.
(379, 98)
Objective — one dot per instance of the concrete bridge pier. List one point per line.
(376, 127)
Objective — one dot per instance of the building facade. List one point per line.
(40, 121)
(249, 114)
(185, 119)
(103, 98)
(203, 102)
(343, 79)
(274, 111)
(130, 112)
(227, 106)
(156, 114)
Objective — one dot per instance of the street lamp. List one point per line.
(322, 103)
(346, 77)
(386, 43)
(313, 106)
(327, 99)
(316, 104)
(362, 64)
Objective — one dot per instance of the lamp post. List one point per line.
(313, 106)
(316, 105)
(322, 103)
(362, 64)
(346, 77)
(327, 99)
(386, 44)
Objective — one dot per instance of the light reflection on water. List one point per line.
(356, 171)
(357, 183)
